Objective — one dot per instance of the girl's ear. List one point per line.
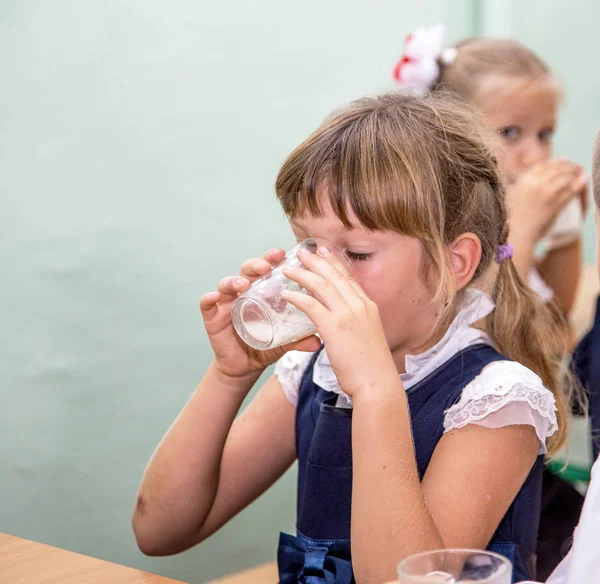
(465, 255)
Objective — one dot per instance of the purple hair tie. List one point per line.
(504, 252)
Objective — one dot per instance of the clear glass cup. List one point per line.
(261, 317)
(455, 566)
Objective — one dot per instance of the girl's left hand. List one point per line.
(346, 318)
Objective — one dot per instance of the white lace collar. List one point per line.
(460, 335)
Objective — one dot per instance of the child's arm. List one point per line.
(473, 477)
(524, 241)
(561, 269)
(534, 201)
(205, 470)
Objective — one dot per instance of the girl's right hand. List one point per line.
(540, 193)
(233, 357)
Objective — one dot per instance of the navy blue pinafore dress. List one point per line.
(320, 552)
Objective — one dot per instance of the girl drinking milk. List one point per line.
(412, 428)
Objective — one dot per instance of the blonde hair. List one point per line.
(419, 167)
(485, 65)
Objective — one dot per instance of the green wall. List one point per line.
(140, 142)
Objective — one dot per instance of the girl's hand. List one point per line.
(540, 193)
(583, 197)
(233, 357)
(347, 320)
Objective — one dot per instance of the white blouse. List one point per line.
(505, 393)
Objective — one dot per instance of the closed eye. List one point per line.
(358, 257)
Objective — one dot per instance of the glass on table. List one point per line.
(455, 566)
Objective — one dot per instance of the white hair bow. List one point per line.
(418, 68)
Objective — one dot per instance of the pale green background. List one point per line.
(140, 142)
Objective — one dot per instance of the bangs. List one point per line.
(360, 165)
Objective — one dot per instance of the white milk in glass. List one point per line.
(262, 318)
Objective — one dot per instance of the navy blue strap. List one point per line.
(586, 365)
(523, 562)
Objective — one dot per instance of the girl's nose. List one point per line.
(533, 152)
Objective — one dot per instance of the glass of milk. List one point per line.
(262, 318)
(455, 566)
